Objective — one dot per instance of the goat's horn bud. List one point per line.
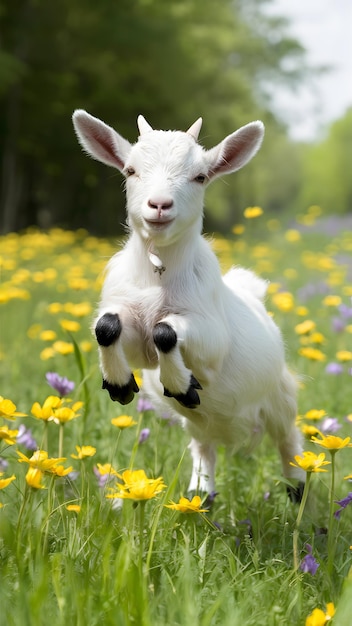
(143, 125)
(194, 130)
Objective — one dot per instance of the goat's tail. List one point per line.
(240, 278)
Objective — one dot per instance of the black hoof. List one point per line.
(190, 399)
(295, 493)
(123, 394)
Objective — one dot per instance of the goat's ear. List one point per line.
(235, 150)
(100, 140)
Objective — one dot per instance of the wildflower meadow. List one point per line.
(96, 526)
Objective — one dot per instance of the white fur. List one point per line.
(225, 337)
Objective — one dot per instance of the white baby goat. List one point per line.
(209, 350)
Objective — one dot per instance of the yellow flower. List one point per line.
(78, 310)
(73, 507)
(63, 347)
(301, 311)
(137, 486)
(309, 430)
(292, 235)
(46, 411)
(344, 355)
(315, 414)
(312, 353)
(319, 618)
(33, 331)
(34, 478)
(60, 470)
(71, 325)
(238, 229)
(332, 300)
(48, 335)
(9, 436)
(311, 462)
(86, 346)
(4, 482)
(55, 307)
(252, 211)
(65, 414)
(8, 409)
(40, 461)
(317, 338)
(332, 443)
(138, 378)
(185, 505)
(284, 301)
(305, 327)
(83, 452)
(47, 353)
(123, 421)
(107, 468)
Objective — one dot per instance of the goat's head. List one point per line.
(166, 171)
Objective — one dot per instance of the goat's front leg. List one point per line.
(177, 379)
(117, 376)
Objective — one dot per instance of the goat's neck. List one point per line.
(173, 259)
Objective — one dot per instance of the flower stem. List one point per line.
(61, 440)
(331, 544)
(135, 446)
(50, 507)
(298, 522)
(25, 505)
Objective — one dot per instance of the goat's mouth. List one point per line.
(159, 224)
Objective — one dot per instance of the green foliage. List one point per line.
(171, 61)
(327, 169)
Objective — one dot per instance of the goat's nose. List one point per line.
(160, 204)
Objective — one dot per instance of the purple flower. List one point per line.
(73, 475)
(144, 434)
(342, 503)
(309, 565)
(330, 425)
(334, 368)
(144, 404)
(338, 324)
(60, 383)
(346, 311)
(3, 464)
(102, 478)
(25, 438)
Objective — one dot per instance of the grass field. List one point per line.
(70, 555)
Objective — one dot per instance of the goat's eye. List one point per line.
(201, 178)
(130, 171)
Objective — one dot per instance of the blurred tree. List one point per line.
(171, 61)
(327, 169)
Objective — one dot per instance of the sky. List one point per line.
(323, 27)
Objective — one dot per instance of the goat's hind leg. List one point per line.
(118, 379)
(203, 472)
(281, 423)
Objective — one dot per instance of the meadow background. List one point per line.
(71, 555)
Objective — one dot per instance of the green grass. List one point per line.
(109, 565)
